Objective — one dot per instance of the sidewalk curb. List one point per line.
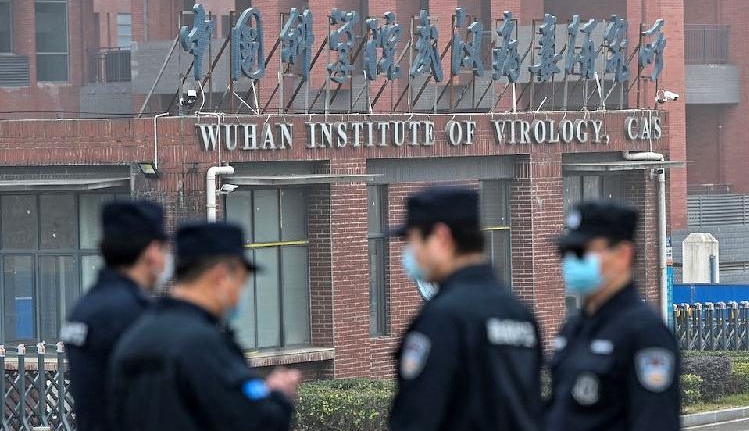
(717, 416)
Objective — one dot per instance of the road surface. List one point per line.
(740, 425)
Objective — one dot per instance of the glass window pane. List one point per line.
(18, 282)
(59, 224)
(89, 219)
(52, 67)
(295, 296)
(494, 204)
(266, 217)
(5, 33)
(57, 292)
(377, 287)
(124, 18)
(374, 211)
(19, 222)
(244, 323)
(268, 303)
(573, 193)
(239, 211)
(591, 188)
(90, 267)
(501, 254)
(293, 215)
(51, 27)
(613, 187)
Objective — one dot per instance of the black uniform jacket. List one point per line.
(470, 360)
(90, 334)
(615, 370)
(178, 369)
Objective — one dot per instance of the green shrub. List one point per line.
(344, 405)
(690, 389)
(715, 372)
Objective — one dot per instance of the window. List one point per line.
(124, 30)
(51, 40)
(48, 254)
(5, 30)
(274, 309)
(378, 257)
(495, 221)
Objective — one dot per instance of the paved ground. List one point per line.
(740, 425)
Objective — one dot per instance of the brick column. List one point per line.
(536, 205)
(641, 192)
(350, 271)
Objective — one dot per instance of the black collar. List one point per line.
(109, 277)
(627, 296)
(170, 303)
(467, 275)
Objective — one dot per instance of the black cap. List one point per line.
(450, 205)
(599, 219)
(126, 220)
(202, 239)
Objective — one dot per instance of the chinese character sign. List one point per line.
(385, 37)
(426, 59)
(196, 40)
(652, 53)
(586, 58)
(341, 40)
(615, 37)
(247, 46)
(466, 54)
(505, 58)
(296, 40)
(548, 58)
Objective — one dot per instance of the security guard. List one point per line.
(471, 359)
(616, 365)
(134, 251)
(178, 368)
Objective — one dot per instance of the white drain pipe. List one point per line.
(657, 157)
(210, 188)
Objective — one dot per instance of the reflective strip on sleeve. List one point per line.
(255, 389)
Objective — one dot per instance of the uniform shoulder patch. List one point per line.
(415, 354)
(74, 333)
(655, 368)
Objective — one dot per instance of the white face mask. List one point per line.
(165, 276)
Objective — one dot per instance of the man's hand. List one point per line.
(285, 381)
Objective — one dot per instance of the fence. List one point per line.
(706, 210)
(706, 43)
(34, 390)
(708, 326)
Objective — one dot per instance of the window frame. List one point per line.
(77, 253)
(10, 28)
(379, 325)
(493, 231)
(279, 247)
(120, 35)
(67, 42)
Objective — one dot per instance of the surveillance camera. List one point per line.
(227, 188)
(189, 98)
(666, 96)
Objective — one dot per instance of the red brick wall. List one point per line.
(49, 100)
(641, 191)
(599, 10)
(537, 213)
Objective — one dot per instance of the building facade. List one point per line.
(322, 167)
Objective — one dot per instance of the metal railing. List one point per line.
(706, 43)
(712, 327)
(715, 210)
(109, 65)
(34, 390)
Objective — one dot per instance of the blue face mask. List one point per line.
(582, 275)
(412, 268)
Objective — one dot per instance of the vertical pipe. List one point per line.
(662, 243)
